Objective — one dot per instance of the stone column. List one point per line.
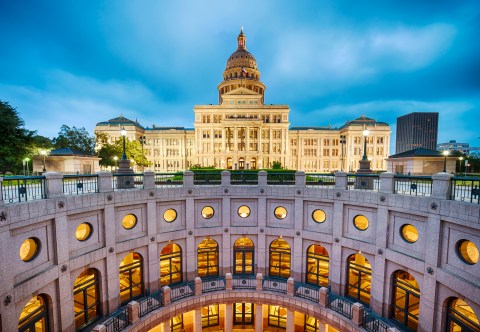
(323, 297)
(228, 325)
(228, 281)
(290, 286)
(1, 191)
(149, 180)
(166, 298)
(54, 185)
(321, 327)
(290, 321)
(225, 175)
(197, 320)
(105, 182)
(133, 308)
(258, 318)
(198, 286)
(166, 326)
(259, 282)
(387, 183)
(341, 180)
(100, 328)
(357, 313)
(300, 179)
(441, 188)
(262, 178)
(188, 179)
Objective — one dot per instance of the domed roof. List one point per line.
(241, 57)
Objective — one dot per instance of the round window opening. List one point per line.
(83, 231)
(208, 212)
(280, 212)
(170, 215)
(319, 216)
(243, 211)
(409, 233)
(29, 249)
(129, 221)
(468, 251)
(360, 222)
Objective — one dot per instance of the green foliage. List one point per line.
(277, 165)
(108, 151)
(199, 167)
(76, 139)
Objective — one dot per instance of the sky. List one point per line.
(82, 62)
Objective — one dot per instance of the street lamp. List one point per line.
(124, 133)
(365, 134)
(445, 154)
(342, 142)
(116, 161)
(460, 168)
(44, 154)
(25, 163)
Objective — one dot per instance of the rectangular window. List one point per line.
(277, 316)
(243, 314)
(210, 316)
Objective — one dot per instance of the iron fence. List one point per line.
(465, 189)
(244, 282)
(340, 305)
(127, 181)
(322, 180)
(150, 303)
(80, 184)
(117, 321)
(207, 178)
(363, 182)
(275, 285)
(413, 185)
(213, 284)
(23, 188)
(307, 291)
(281, 178)
(181, 291)
(168, 179)
(373, 323)
(239, 178)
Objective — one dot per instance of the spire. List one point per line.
(242, 40)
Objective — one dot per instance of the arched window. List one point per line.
(131, 277)
(171, 265)
(279, 259)
(406, 299)
(460, 317)
(317, 265)
(207, 258)
(243, 256)
(34, 316)
(86, 298)
(359, 278)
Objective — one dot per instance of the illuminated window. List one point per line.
(207, 258)
(359, 278)
(83, 231)
(243, 211)
(34, 316)
(243, 255)
(279, 259)
(468, 251)
(131, 277)
(210, 316)
(170, 215)
(29, 249)
(311, 324)
(318, 216)
(208, 212)
(176, 324)
(243, 314)
(409, 233)
(129, 221)
(360, 222)
(171, 265)
(277, 316)
(86, 299)
(461, 317)
(280, 212)
(406, 299)
(317, 265)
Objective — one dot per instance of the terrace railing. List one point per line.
(80, 184)
(281, 178)
(413, 185)
(275, 284)
(207, 178)
(363, 182)
(127, 181)
(321, 180)
(465, 189)
(163, 180)
(23, 188)
(117, 321)
(340, 304)
(247, 178)
(307, 291)
(181, 291)
(212, 284)
(150, 303)
(374, 323)
(244, 282)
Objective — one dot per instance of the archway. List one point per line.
(461, 317)
(359, 278)
(86, 298)
(171, 265)
(243, 256)
(406, 299)
(279, 259)
(317, 265)
(131, 277)
(207, 258)
(34, 316)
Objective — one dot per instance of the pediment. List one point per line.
(242, 91)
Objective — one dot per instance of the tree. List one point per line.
(277, 165)
(14, 139)
(75, 138)
(108, 151)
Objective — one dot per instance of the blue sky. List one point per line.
(82, 62)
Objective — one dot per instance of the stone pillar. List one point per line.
(225, 175)
(321, 326)
(323, 297)
(228, 281)
(300, 179)
(290, 286)
(262, 178)
(188, 179)
(341, 180)
(441, 188)
(149, 180)
(104, 182)
(387, 183)
(166, 326)
(259, 282)
(100, 328)
(290, 321)
(198, 286)
(393, 329)
(357, 313)
(133, 308)
(54, 184)
(228, 324)
(258, 318)
(1, 191)
(166, 298)
(197, 320)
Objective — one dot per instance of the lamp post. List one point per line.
(460, 168)
(124, 133)
(365, 134)
(445, 154)
(115, 158)
(44, 154)
(342, 156)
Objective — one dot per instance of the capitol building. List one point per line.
(242, 132)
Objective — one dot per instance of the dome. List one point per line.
(241, 57)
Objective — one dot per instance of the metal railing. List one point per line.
(207, 178)
(117, 321)
(213, 284)
(307, 291)
(281, 178)
(363, 182)
(181, 291)
(238, 178)
(373, 323)
(321, 180)
(275, 284)
(168, 179)
(150, 303)
(465, 189)
(413, 185)
(340, 305)
(244, 282)
(127, 181)
(23, 188)
(80, 184)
